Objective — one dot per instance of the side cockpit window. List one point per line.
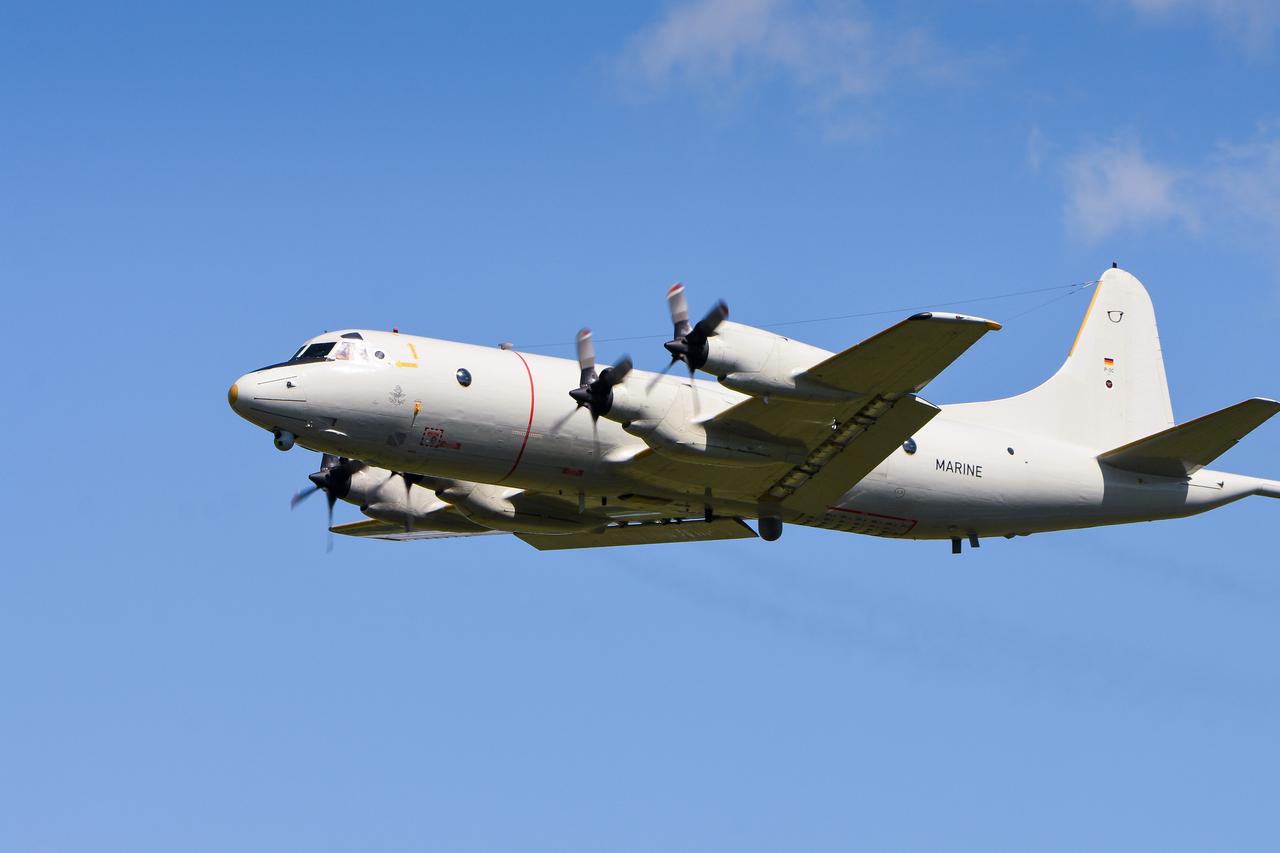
(350, 351)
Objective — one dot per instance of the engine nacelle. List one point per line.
(638, 403)
(684, 439)
(491, 506)
(391, 501)
(754, 361)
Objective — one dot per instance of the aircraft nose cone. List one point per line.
(240, 396)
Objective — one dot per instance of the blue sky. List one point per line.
(188, 191)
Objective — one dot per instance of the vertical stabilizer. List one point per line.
(1111, 390)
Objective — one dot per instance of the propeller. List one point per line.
(586, 372)
(595, 392)
(334, 479)
(689, 343)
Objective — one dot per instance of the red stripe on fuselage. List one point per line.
(529, 427)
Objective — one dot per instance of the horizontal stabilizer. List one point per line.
(646, 533)
(1182, 450)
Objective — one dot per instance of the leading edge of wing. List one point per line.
(905, 357)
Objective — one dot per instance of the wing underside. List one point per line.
(667, 530)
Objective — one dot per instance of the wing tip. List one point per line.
(946, 317)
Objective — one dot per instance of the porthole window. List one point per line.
(464, 377)
(909, 445)
(379, 354)
(1010, 449)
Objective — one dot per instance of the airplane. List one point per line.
(435, 439)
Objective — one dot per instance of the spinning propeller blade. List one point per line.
(334, 479)
(586, 357)
(595, 392)
(689, 343)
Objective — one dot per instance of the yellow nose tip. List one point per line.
(233, 394)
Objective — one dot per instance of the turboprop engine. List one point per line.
(381, 494)
(416, 500)
(744, 358)
(665, 416)
(492, 507)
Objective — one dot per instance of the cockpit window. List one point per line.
(320, 350)
(323, 351)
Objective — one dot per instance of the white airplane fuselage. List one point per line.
(499, 416)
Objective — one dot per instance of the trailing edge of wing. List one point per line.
(647, 533)
(633, 533)
(1182, 450)
(374, 529)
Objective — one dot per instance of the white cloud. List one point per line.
(1245, 181)
(1113, 187)
(1252, 22)
(832, 52)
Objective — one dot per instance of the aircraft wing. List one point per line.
(655, 532)
(374, 529)
(646, 533)
(866, 408)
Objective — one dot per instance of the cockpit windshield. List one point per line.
(340, 350)
(345, 350)
(319, 350)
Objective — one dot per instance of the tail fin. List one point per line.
(1111, 389)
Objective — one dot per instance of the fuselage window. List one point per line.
(464, 377)
(379, 354)
(909, 445)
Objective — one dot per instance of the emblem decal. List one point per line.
(396, 397)
(434, 437)
(1115, 316)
